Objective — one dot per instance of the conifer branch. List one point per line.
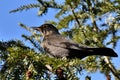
(25, 7)
(76, 18)
(95, 28)
(112, 68)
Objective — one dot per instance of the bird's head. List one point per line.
(47, 29)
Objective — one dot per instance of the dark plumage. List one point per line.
(58, 46)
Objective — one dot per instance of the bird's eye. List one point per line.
(47, 28)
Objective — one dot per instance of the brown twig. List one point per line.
(108, 77)
(60, 74)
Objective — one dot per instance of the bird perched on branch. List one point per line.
(59, 46)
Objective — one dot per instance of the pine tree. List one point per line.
(89, 22)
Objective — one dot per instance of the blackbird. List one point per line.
(59, 46)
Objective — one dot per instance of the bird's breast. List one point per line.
(55, 51)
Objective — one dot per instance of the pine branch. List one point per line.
(76, 18)
(50, 4)
(112, 68)
(25, 7)
(35, 44)
(72, 9)
(95, 28)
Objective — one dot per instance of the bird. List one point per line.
(57, 45)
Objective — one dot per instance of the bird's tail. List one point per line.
(102, 52)
(92, 51)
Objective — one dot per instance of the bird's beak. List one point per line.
(36, 28)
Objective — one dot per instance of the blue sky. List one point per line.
(9, 28)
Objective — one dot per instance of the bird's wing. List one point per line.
(59, 46)
(61, 41)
